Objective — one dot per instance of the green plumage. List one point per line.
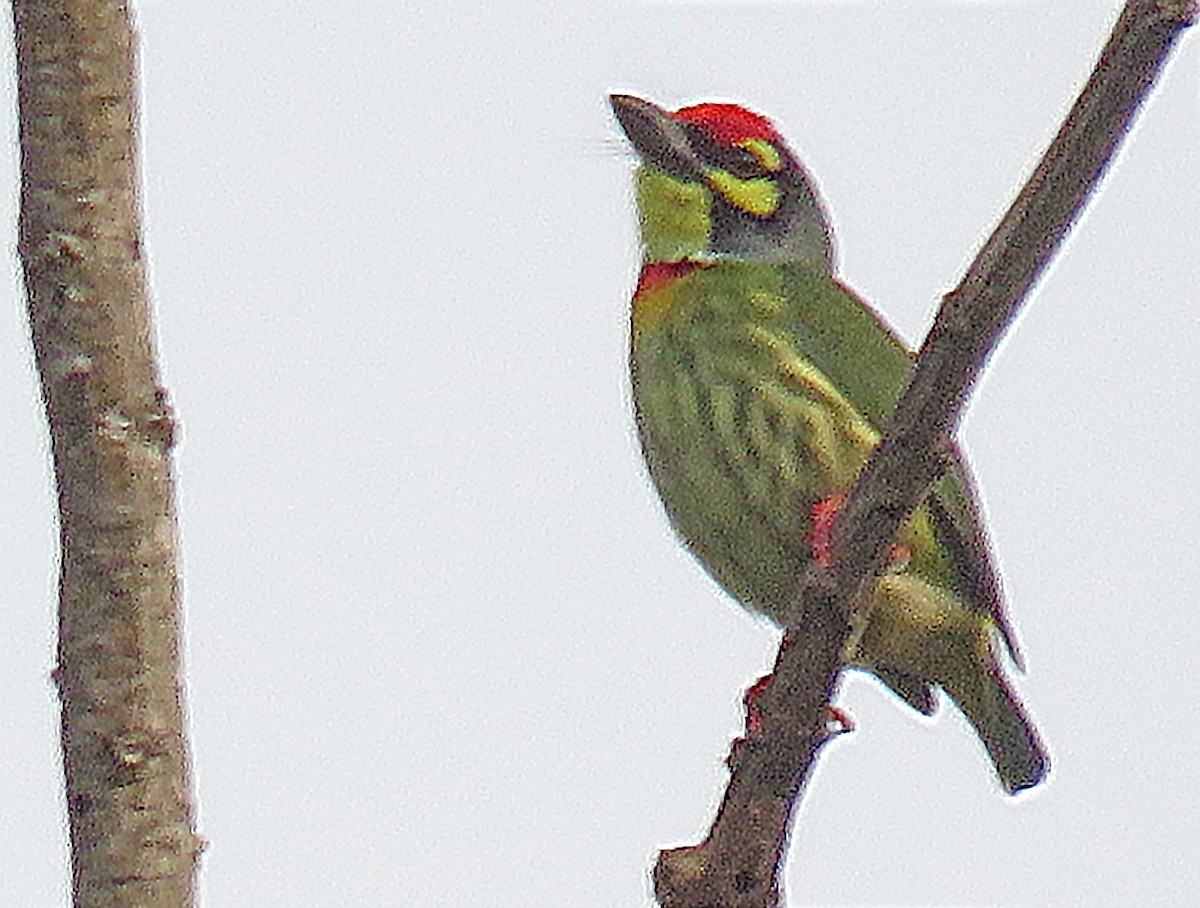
(760, 387)
(743, 433)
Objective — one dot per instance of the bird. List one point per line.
(761, 384)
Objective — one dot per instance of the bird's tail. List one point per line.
(926, 635)
(991, 706)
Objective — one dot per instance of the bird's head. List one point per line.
(717, 182)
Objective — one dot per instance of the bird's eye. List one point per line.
(742, 163)
(747, 159)
(763, 152)
(740, 160)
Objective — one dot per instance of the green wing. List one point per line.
(845, 338)
(959, 526)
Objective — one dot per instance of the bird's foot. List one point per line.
(820, 538)
(824, 513)
(836, 721)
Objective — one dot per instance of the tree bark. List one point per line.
(124, 752)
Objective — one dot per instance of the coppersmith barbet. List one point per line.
(760, 384)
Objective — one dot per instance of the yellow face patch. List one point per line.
(764, 152)
(674, 216)
(758, 196)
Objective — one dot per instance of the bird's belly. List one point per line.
(737, 485)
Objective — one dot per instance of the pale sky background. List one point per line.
(442, 649)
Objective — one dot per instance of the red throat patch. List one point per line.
(657, 274)
(729, 124)
(656, 298)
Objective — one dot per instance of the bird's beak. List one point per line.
(659, 140)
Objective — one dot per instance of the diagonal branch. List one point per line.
(738, 865)
(974, 315)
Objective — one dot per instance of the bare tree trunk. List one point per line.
(124, 752)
